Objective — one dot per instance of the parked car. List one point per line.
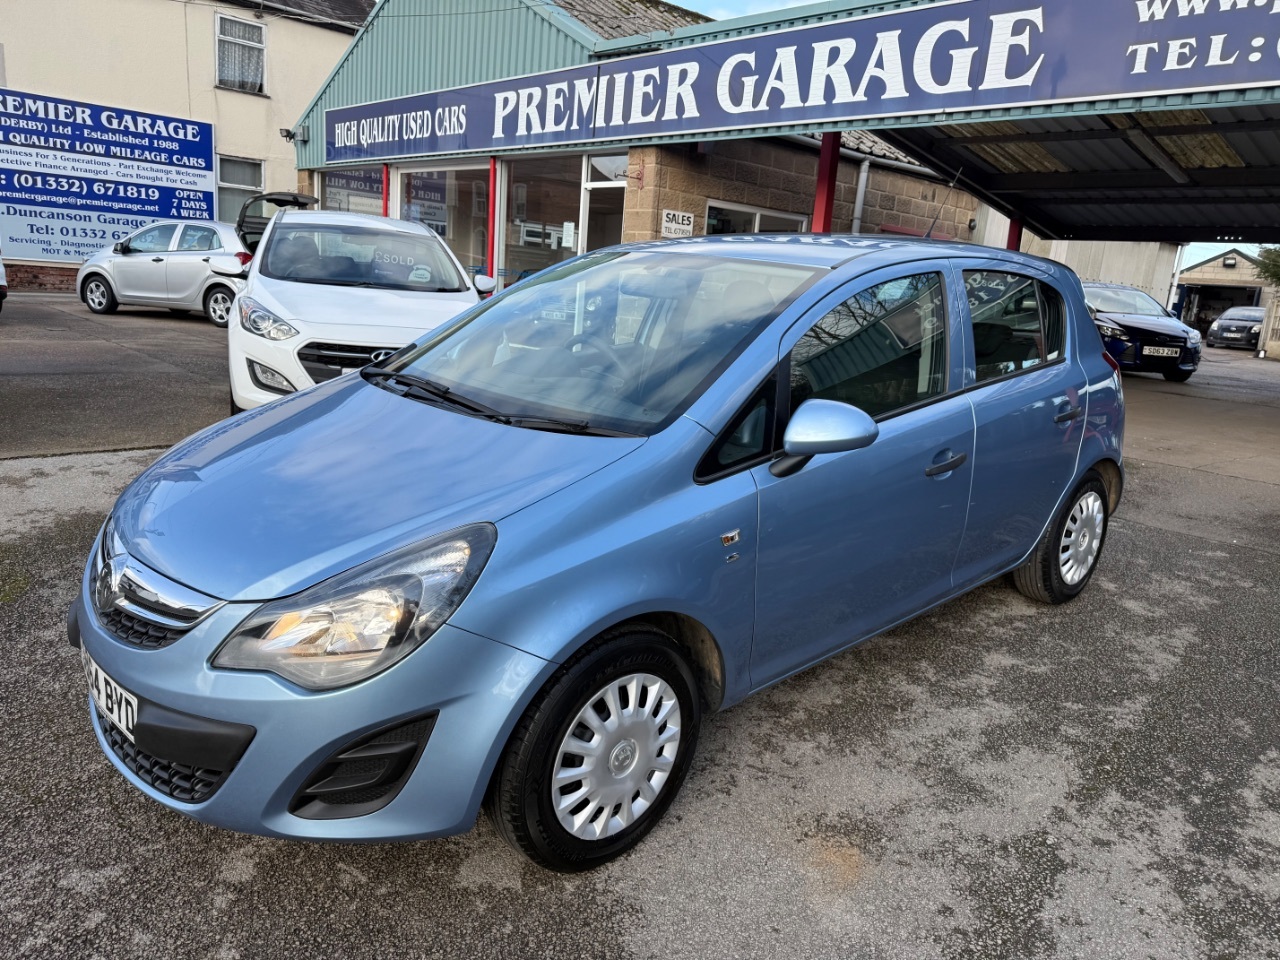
(330, 292)
(1237, 327)
(168, 263)
(1141, 334)
(517, 571)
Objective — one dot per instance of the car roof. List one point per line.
(1100, 285)
(336, 218)
(828, 251)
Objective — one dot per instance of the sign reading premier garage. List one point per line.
(948, 57)
(75, 177)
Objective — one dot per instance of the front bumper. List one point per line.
(1249, 342)
(472, 689)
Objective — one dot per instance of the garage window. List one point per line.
(238, 180)
(242, 51)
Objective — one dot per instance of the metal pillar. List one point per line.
(386, 189)
(828, 171)
(1015, 234)
(493, 218)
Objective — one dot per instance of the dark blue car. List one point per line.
(1142, 335)
(515, 564)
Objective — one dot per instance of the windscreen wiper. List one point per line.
(561, 425)
(431, 390)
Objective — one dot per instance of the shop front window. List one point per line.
(358, 190)
(737, 218)
(543, 205)
(453, 203)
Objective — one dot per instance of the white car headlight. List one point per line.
(359, 623)
(1193, 337)
(260, 321)
(1256, 328)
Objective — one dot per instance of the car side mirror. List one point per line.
(823, 426)
(226, 265)
(120, 248)
(485, 284)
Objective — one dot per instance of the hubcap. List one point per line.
(96, 294)
(219, 307)
(617, 756)
(1081, 539)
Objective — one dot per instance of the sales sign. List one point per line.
(676, 223)
(948, 57)
(75, 177)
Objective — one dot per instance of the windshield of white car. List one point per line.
(355, 256)
(1121, 300)
(622, 341)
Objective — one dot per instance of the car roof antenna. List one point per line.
(942, 206)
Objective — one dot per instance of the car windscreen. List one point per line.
(1123, 300)
(359, 257)
(1244, 313)
(623, 341)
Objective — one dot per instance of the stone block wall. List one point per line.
(779, 176)
(30, 278)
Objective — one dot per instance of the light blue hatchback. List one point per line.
(517, 562)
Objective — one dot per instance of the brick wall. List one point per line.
(26, 278)
(778, 176)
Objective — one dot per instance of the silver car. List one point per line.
(165, 264)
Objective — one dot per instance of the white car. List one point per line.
(328, 293)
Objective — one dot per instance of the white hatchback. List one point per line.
(328, 293)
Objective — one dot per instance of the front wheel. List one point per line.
(98, 296)
(600, 754)
(217, 306)
(1064, 560)
(1178, 376)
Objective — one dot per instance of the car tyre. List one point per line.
(1067, 555)
(98, 295)
(217, 306)
(633, 693)
(1178, 376)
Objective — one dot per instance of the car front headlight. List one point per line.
(1193, 337)
(1109, 331)
(260, 321)
(357, 624)
(1256, 328)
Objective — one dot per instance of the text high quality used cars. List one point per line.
(516, 563)
(328, 293)
(1141, 334)
(1237, 327)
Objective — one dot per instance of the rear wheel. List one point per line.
(1178, 376)
(1064, 560)
(217, 306)
(98, 296)
(600, 754)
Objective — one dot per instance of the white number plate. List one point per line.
(1161, 351)
(119, 705)
(1233, 336)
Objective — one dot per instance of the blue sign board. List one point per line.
(947, 57)
(75, 177)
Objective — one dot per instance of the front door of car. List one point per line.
(855, 542)
(188, 264)
(139, 274)
(1030, 402)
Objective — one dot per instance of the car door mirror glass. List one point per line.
(828, 426)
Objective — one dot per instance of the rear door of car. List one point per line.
(855, 542)
(1030, 402)
(188, 266)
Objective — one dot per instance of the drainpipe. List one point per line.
(864, 174)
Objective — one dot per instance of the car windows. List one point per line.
(154, 239)
(360, 256)
(1018, 322)
(748, 438)
(881, 350)
(196, 239)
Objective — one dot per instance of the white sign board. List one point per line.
(676, 223)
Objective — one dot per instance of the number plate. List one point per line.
(1161, 351)
(118, 704)
(1233, 336)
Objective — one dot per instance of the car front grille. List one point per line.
(324, 361)
(137, 632)
(179, 781)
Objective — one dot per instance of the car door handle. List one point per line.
(157, 259)
(204, 259)
(1068, 415)
(940, 468)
